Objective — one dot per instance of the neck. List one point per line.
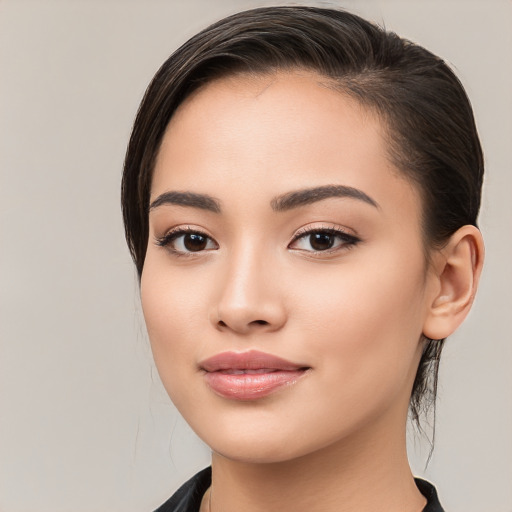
(354, 474)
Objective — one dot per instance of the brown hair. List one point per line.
(431, 130)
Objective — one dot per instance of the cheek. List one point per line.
(172, 300)
(170, 310)
(367, 322)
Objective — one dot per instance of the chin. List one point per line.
(266, 444)
(249, 442)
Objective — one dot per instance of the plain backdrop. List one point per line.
(85, 425)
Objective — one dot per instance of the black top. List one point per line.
(188, 497)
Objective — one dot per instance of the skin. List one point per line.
(354, 315)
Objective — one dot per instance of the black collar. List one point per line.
(188, 497)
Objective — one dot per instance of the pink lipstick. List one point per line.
(249, 375)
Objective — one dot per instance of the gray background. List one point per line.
(85, 425)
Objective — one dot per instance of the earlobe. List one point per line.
(456, 268)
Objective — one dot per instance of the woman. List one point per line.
(300, 198)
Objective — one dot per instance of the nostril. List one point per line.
(239, 325)
(221, 324)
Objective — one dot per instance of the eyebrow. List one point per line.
(307, 196)
(281, 203)
(202, 201)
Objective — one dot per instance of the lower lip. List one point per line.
(251, 386)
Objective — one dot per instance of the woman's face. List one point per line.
(285, 285)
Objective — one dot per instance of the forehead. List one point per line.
(273, 133)
(273, 105)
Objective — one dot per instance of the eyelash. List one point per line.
(347, 240)
(167, 240)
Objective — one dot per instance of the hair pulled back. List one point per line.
(432, 138)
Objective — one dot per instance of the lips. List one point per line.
(249, 375)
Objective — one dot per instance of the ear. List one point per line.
(455, 271)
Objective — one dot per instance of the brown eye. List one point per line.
(182, 242)
(194, 242)
(321, 241)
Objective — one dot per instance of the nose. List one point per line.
(250, 299)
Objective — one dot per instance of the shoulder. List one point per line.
(188, 497)
(430, 493)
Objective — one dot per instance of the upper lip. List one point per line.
(249, 360)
